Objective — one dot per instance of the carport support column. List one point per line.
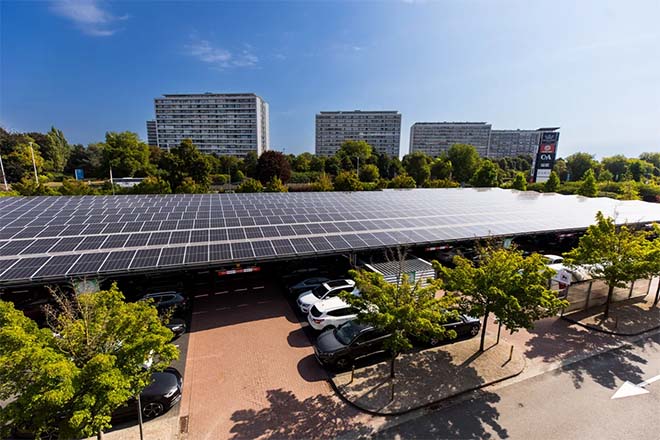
(657, 294)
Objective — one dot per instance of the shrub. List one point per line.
(323, 183)
(220, 179)
(347, 181)
(276, 185)
(250, 185)
(402, 181)
(304, 177)
(441, 183)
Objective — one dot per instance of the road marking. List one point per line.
(222, 308)
(220, 293)
(630, 389)
(199, 313)
(264, 302)
(257, 287)
(202, 295)
(242, 305)
(240, 290)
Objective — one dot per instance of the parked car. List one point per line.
(307, 284)
(165, 301)
(465, 326)
(326, 290)
(330, 313)
(176, 326)
(157, 398)
(339, 348)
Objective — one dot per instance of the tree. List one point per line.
(640, 169)
(152, 185)
(464, 161)
(332, 165)
(73, 187)
(302, 162)
(552, 184)
(578, 164)
(629, 191)
(73, 375)
(520, 182)
(347, 181)
(561, 169)
(369, 173)
(652, 158)
(317, 163)
(616, 165)
(441, 168)
(486, 175)
(323, 183)
(588, 187)
(273, 164)
(354, 150)
(189, 186)
(125, 154)
(417, 167)
(618, 255)
(402, 181)
(403, 310)
(28, 187)
(512, 287)
(276, 185)
(250, 185)
(19, 161)
(89, 159)
(55, 149)
(250, 164)
(605, 176)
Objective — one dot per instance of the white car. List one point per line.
(330, 313)
(326, 290)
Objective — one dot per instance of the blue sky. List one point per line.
(591, 67)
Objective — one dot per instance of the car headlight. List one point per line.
(170, 393)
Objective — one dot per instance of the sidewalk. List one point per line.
(626, 318)
(430, 376)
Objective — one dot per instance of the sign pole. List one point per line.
(34, 164)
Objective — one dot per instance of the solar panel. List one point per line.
(189, 229)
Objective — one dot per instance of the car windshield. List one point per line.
(320, 291)
(347, 332)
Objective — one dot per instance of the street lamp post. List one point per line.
(34, 165)
(4, 177)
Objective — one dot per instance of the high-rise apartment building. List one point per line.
(152, 133)
(434, 138)
(222, 123)
(380, 129)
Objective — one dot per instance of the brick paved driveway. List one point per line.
(250, 370)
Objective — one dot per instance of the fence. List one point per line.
(585, 294)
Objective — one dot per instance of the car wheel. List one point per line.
(434, 341)
(474, 330)
(152, 409)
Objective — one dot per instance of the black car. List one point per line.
(465, 327)
(339, 348)
(158, 397)
(166, 301)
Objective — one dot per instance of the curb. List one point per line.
(429, 404)
(608, 332)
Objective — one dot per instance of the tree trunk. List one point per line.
(483, 331)
(392, 365)
(610, 292)
(99, 435)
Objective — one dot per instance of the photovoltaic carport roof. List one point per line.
(49, 238)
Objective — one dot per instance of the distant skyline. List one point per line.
(589, 67)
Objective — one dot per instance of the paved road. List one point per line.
(572, 403)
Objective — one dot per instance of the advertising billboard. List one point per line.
(545, 157)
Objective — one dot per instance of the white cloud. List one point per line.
(88, 15)
(218, 57)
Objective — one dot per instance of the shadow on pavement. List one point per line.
(286, 416)
(561, 340)
(298, 338)
(310, 370)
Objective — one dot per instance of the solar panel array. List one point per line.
(47, 238)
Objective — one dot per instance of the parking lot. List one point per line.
(250, 368)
